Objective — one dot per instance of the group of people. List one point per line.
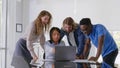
(79, 35)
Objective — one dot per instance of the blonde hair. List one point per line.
(38, 23)
(70, 21)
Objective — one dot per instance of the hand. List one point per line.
(80, 57)
(93, 58)
(34, 60)
(77, 57)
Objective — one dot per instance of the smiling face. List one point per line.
(55, 36)
(86, 26)
(86, 29)
(45, 19)
(67, 28)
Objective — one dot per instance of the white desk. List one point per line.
(42, 62)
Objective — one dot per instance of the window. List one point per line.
(116, 36)
(2, 34)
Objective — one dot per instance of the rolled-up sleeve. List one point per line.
(42, 40)
(80, 41)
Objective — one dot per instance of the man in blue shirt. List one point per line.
(102, 40)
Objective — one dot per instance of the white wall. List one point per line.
(100, 11)
(56, 8)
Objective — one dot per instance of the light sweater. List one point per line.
(31, 37)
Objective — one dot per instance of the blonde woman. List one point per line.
(24, 51)
(74, 36)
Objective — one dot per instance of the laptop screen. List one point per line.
(65, 53)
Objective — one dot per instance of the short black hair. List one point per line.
(85, 21)
(51, 32)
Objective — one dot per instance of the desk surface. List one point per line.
(70, 64)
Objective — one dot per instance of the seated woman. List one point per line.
(54, 41)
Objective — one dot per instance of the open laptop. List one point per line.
(65, 53)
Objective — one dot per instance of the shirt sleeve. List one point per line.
(46, 46)
(42, 40)
(62, 33)
(80, 41)
(100, 30)
(48, 50)
(30, 39)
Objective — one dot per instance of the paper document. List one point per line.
(37, 64)
(48, 60)
(83, 61)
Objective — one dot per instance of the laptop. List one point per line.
(65, 53)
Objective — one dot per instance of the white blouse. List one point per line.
(31, 37)
(50, 49)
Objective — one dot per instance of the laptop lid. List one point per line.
(65, 53)
(65, 65)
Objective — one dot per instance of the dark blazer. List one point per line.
(79, 39)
